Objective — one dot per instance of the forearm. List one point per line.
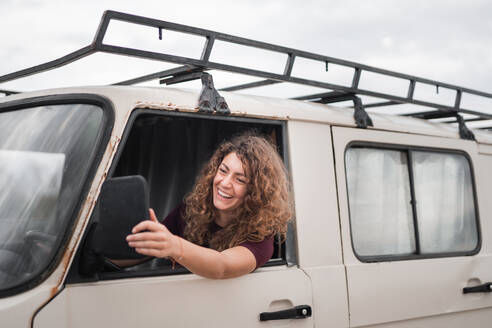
(212, 264)
(200, 260)
(151, 238)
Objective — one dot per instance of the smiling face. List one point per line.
(229, 187)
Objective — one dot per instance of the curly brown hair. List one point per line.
(267, 206)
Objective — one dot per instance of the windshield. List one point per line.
(45, 155)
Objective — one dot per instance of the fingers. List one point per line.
(149, 244)
(152, 224)
(151, 238)
(153, 217)
(155, 236)
(148, 225)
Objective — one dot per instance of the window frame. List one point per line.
(102, 139)
(409, 149)
(289, 244)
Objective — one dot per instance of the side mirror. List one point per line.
(123, 203)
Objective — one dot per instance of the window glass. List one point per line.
(380, 190)
(445, 206)
(379, 199)
(45, 155)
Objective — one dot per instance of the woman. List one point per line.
(227, 224)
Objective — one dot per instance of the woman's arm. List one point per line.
(154, 239)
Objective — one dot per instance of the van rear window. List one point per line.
(410, 203)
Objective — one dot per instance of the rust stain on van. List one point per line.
(53, 292)
(113, 142)
(165, 107)
(88, 204)
(65, 263)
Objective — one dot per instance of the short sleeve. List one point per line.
(262, 250)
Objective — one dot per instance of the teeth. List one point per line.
(221, 193)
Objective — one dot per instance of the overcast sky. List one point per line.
(449, 41)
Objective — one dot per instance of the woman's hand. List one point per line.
(152, 238)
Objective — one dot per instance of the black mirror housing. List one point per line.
(123, 203)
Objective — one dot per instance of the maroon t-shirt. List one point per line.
(262, 250)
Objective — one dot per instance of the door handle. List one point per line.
(483, 288)
(297, 312)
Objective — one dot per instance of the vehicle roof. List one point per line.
(127, 98)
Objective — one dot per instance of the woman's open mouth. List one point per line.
(224, 195)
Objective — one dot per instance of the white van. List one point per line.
(392, 220)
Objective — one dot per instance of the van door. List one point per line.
(184, 300)
(411, 230)
(169, 149)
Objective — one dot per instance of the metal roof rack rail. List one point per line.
(193, 68)
(8, 92)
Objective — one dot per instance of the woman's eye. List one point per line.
(222, 170)
(241, 181)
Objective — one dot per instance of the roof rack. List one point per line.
(194, 68)
(8, 92)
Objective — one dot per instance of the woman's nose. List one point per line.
(227, 180)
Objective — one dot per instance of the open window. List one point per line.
(169, 149)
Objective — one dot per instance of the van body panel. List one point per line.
(407, 290)
(393, 291)
(180, 301)
(330, 304)
(312, 167)
(18, 310)
(483, 136)
(483, 165)
(318, 229)
(485, 149)
(479, 318)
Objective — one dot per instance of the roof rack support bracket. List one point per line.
(465, 133)
(362, 119)
(210, 100)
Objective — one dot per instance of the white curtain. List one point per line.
(379, 199)
(445, 204)
(380, 202)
